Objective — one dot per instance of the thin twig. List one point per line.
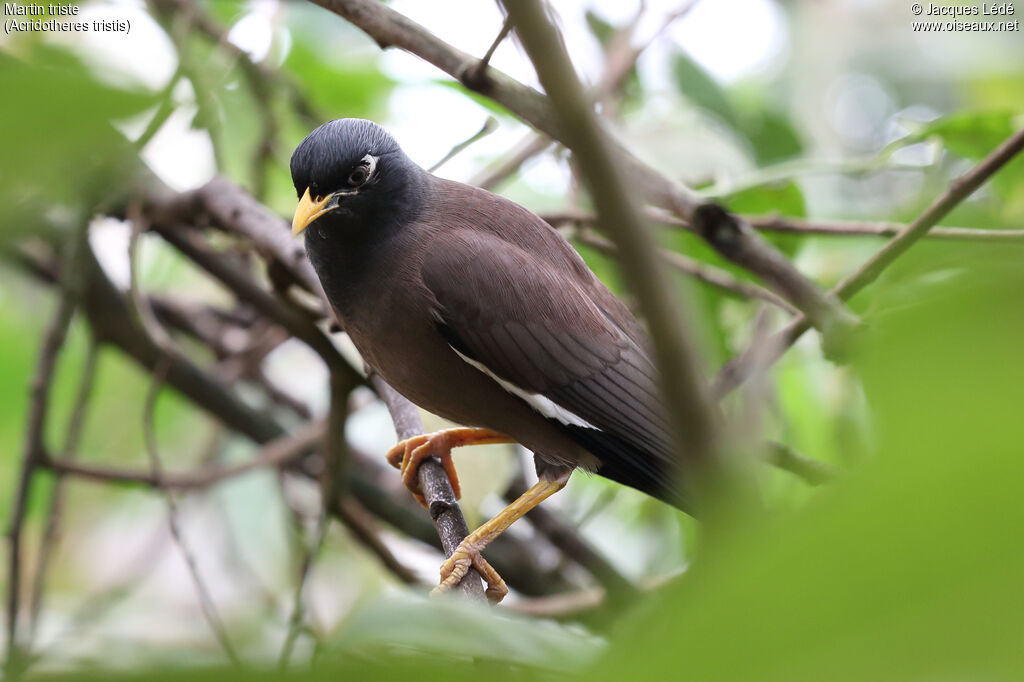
(168, 350)
(361, 525)
(737, 370)
(775, 223)
(810, 470)
(489, 126)
(491, 177)
(475, 73)
(42, 382)
(621, 57)
(56, 503)
(206, 602)
(805, 226)
(278, 453)
(295, 621)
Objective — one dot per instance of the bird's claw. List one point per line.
(410, 453)
(455, 568)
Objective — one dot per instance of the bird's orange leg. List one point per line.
(468, 552)
(409, 453)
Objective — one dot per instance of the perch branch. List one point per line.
(444, 509)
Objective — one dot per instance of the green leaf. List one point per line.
(972, 135)
(768, 131)
(698, 86)
(772, 136)
(460, 628)
(349, 89)
(60, 148)
(599, 28)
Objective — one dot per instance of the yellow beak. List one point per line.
(308, 210)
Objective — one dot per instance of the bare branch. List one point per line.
(489, 126)
(374, 485)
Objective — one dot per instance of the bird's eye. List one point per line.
(358, 176)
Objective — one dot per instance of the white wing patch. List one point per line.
(545, 406)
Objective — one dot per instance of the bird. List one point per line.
(477, 310)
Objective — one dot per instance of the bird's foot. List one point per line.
(467, 555)
(409, 453)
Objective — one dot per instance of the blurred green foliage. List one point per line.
(906, 568)
(59, 149)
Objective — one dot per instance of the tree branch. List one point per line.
(737, 370)
(389, 28)
(444, 509)
(708, 274)
(806, 226)
(775, 223)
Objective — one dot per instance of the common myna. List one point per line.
(477, 310)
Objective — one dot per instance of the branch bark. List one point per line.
(444, 509)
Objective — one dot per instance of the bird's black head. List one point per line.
(351, 172)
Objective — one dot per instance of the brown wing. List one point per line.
(535, 330)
